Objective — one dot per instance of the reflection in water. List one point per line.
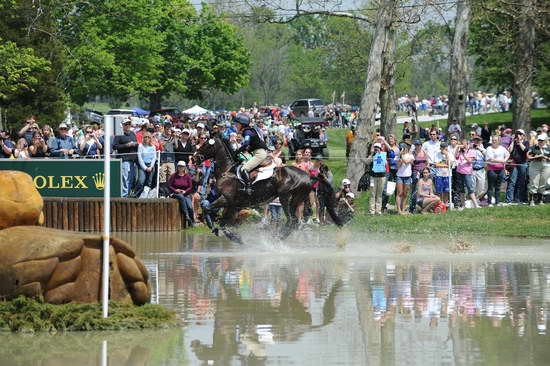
(320, 307)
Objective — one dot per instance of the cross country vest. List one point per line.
(379, 162)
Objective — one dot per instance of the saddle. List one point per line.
(262, 172)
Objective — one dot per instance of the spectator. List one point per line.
(142, 130)
(48, 135)
(63, 146)
(90, 146)
(479, 173)
(426, 199)
(6, 145)
(147, 157)
(21, 150)
(350, 135)
(345, 208)
(38, 147)
(454, 129)
(539, 168)
(184, 147)
(212, 194)
(28, 129)
(167, 157)
(181, 185)
(443, 162)
(465, 157)
(432, 148)
(404, 178)
(496, 157)
(515, 191)
(126, 145)
(377, 172)
(393, 156)
(419, 163)
(414, 130)
(486, 135)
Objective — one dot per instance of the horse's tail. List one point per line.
(330, 198)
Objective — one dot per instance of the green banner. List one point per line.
(68, 177)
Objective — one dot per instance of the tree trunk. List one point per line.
(458, 83)
(365, 124)
(388, 95)
(155, 101)
(525, 67)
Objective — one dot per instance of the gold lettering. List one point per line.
(50, 180)
(41, 185)
(80, 182)
(66, 181)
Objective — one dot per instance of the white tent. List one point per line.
(195, 110)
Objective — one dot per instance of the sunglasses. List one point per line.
(433, 134)
(202, 138)
(63, 129)
(453, 138)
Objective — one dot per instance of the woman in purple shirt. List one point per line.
(181, 185)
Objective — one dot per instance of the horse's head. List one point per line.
(206, 151)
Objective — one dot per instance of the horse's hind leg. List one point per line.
(221, 202)
(296, 200)
(229, 219)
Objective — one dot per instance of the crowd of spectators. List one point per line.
(427, 170)
(430, 169)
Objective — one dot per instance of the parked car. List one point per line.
(121, 112)
(301, 107)
(173, 112)
(93, 116)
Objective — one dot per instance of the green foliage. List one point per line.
(18, 69)
(27, 315)
(32, 25)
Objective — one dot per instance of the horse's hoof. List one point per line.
(233, 237)
(216, 231)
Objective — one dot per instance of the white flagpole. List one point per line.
(158, 174)
(109, 120)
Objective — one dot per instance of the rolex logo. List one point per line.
(99, 181)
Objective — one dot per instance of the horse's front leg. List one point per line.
(228, 218)
(221, 202)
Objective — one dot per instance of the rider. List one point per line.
(253, 141)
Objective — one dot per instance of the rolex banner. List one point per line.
(68, 177)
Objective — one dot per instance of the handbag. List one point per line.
(390, 188)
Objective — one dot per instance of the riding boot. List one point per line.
(246, 179)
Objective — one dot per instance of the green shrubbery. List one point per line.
(28, 315)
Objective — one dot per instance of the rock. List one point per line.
(20, 202)
(66, 267)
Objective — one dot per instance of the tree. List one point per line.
(458, 80)
(31, 25)
(151, 48)
(19, 68)
(522, 29)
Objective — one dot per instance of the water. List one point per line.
(305, 302)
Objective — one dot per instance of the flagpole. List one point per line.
(109, 120)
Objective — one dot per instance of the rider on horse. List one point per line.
(253, 141)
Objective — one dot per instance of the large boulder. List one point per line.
(66, 267)
(20, 202)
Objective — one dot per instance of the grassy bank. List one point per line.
(511, 221)
(28, 315)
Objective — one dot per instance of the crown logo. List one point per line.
(99, 181)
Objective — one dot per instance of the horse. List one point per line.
(289, 183)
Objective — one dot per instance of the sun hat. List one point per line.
(542, 137)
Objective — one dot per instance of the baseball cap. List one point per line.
(542, 136)
(181, 163)
(377, 145)
(63, 125)
(350, 195)
(185, 130)
(346, 181)
(417, 142)
(519, 130)
(444, 144)
(200, 125)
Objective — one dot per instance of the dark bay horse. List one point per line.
(289, 183)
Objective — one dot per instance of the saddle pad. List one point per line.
(265, 173)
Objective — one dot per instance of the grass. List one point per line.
(29, 315)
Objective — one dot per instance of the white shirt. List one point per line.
(440, 158)
(499, 153)
(431, 148)
(405, 170)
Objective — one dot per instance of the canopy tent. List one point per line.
(139, 111)
(195, 110)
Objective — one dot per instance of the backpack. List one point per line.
(440, 207)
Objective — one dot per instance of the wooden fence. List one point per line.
(127, 214)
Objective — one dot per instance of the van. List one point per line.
(301, 107)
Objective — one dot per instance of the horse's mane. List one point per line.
(228, 149)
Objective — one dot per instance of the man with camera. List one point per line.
(516, 191)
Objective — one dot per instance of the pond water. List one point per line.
(326, 299)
